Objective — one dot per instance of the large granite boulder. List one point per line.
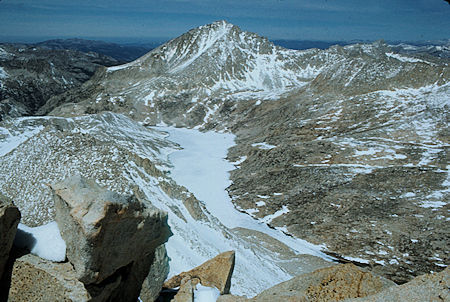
(333, 283)
(9, 219)
(215, 272)
(429, 287)
(111, 239)
(327, 284)
(35, 279)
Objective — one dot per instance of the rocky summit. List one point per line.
(336, 155)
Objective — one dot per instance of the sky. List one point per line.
(327, 20)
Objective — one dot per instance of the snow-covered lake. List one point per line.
(202, 168)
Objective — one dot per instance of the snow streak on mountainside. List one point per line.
(121, 154)
(219, 60)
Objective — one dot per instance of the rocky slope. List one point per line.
(30, 75)
(346, 147)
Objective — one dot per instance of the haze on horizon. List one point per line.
(326, 20)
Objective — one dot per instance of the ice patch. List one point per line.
(44, 241)
(356, 259)
(3, 74)
(432, 204)
(408, 194)
(263, 146)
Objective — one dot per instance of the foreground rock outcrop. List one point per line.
(333, 283)
(215, 272)
(429, 287)
(111, 239)
(327, 284)
(36, 279)
(9, 219)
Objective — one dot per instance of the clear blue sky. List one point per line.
(276, 19)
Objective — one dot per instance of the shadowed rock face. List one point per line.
(9, 220)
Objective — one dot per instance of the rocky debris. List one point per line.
(429, 287)
(30, 75)
(35, 279)
(9, 220)
(111, 239)
(215, 272)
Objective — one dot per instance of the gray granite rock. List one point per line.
(35, 279)
(429, 287)
(327, 284)
(111, 239)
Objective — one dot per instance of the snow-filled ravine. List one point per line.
(202, 168)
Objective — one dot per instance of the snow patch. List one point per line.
(405, 59)
(267, 219)
(205, 294)
(356, 259)
(3, 74)
(44, 241)
(263, 146)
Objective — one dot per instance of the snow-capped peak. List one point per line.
(218, 60)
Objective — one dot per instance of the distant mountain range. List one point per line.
(438, 48)
(122, 53)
